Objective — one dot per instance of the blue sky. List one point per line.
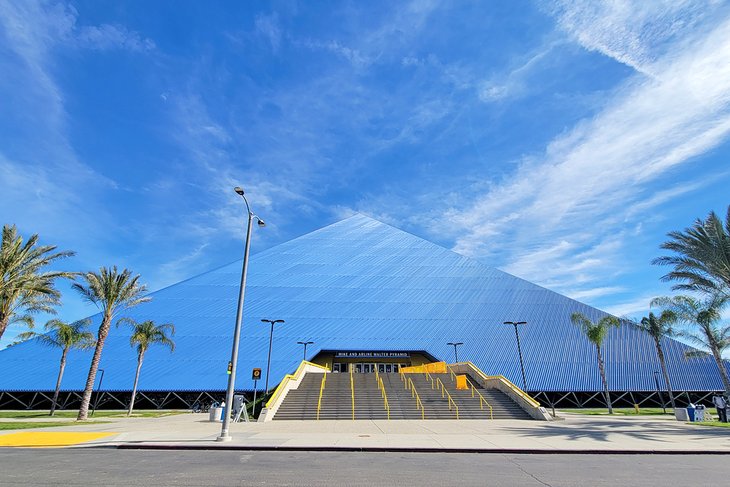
(559, 140)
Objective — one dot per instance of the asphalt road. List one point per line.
(110, 467)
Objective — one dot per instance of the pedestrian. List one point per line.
(721, 407)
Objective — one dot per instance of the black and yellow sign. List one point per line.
(256, 374)
(230, 367)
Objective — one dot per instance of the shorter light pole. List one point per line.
(255, 390)
(271, 341)
(305, 347)
(456, 354)
(98, 392)
(519, 350)
(661, 396)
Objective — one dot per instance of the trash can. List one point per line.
(691, 414)
(699, 413)
(216, 414)
(681, 414)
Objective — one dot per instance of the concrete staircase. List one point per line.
(301, 403)
(469, 407)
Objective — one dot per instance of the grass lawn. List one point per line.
(20, 425)
(713, 423)
(621, 411)
(142, 413)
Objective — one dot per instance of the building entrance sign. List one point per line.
(372, 355)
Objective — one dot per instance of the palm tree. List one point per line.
(65, 336)
(145, 334)
(24, 287)
(596, 333)
(111, 291)
(659, 327)
(705, 316)
(702, 260)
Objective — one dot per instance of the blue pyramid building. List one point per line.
(359, 286)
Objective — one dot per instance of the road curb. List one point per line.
(512, 451)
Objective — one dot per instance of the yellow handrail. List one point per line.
(294, 376)
(386, 405)
(352, 390)
(482, 400)
(414, 393)
(445, 393)
(451, 401)
(529, 399)
(515, 389)
(451, 373)
(321, 390)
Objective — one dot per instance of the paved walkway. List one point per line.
(577, 433)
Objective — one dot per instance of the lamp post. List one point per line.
(239, 316)
(271, 340)
(456, 354)
(519, 350)
(305, 347)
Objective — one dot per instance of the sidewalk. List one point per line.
(576, 434)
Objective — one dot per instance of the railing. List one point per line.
(419, 404)
(295, 376)
(386, 405)
(321, 390)
(429, 378)
(529, 399)
(352, 391)
(482, 401)
(451, 374)
(445, 394)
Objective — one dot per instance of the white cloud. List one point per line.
(268, 27)
(562, 212)
(353, 56)
(515, 83)
(637, 34)
(107, 36)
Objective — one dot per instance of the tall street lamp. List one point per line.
(519, 350)
(456, 354)
(239, 316)
(305, 347)
(271, 340)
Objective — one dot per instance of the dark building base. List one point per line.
(195, 400)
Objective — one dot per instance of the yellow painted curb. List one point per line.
(39, 439)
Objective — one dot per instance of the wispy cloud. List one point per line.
(47, 188)
(108, 36)
(563, 213)
(268, 27)
(638, 34)
(515, 83)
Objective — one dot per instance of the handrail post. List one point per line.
(321, 390)
(352, 391)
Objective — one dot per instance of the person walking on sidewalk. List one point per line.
(721, 407)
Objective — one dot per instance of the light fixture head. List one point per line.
(261, 223)
(238, 190)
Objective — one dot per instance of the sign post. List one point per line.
(255, 375)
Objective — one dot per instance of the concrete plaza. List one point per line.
(576, 433)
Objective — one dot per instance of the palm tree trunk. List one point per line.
(4, 320)
(721, 367)
(605, 382)
(136, 379)
(58, 382)
(88, 389)
(665, 373)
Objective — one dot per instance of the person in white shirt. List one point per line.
(721, 407)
